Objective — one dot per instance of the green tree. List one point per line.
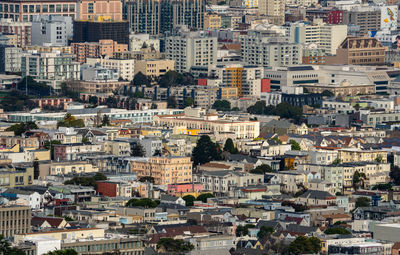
(66, 92)
(138, 150)
(147, 179)
(230, 147)
(63, 252)
(357, 107)
(305, 245)
(16, 101)
(327, 93)
(257, 108)
(243, 230)
(363, 202)
(189, 199)
(379, 159)
(140, 79)
(93, 100)
(6, 249)
(157, 153)
(295, 145)
(337, 161)
(383, 186)
(262, 169)
(138, 94)
(284, 110)
(189, 102)
(171, 78)
(171, 245)
(205, 151)
(143, 202)
(87, 181)
(222, 105)
(204, 197)
(265, 231)
(357, 179)
(171, 102)
(337, 231)
(22, 127)
(35, 88)
(105, 121)
(67, 218)
(395, 174)
(71, 121)
(49, 145)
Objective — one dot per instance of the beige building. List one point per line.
(164, 170)
(344, 88)
(96, 49)
(359, 155)
(374, 172)
(126, 67)
(71, 167)
(23, 30)
(154, 67)
(117, 148)
(14, 220)
(63, 235)
(95, 86)
(212, 21)
(274, 10)
(16, 177)
(198, 120)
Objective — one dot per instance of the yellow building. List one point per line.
(212, 21)
(40, 155)
(16, 177)
(154, 67)
(359, 155)
(117, 148)
(65, 234)
(63, 168)
(229, 92)
(150, 132)
(49, 49)
(164, 170)
(234, 77)
(14, 148)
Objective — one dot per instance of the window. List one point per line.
(51, 8)
(45, 8)
(90, 7)
(37, 8)
(25, 8)
(65, 7)
(71, 8)
(58, 8)
(31, 8)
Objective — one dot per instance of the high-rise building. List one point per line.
(51, 30)
(26, 10)
(14, 220)
(100, 28)
(159, 16)
(326, 37)
(23, 30)
(86, 9)
(274, 10)
(367, 18)
(190, 49)
(96, 49)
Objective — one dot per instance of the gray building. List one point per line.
(97, 72)
(52, 30)
(10, 59)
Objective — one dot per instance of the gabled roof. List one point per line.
(53, 221)
(317, 194)
(165, 197)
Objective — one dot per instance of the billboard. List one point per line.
(389, 17)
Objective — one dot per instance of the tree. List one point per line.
(67, 218)
(63, 252)
(157, 153)
(383, 186)
(66, 92)
(379, 158)
(138, 150)
(143, 202)
(147, 179)
(357, 179)
(327, 93)
(304, 245)
(205, 151)
(395, 174)
(357, 106)
(171, 102)
(243, 230)
(105, 121)
(337, 231)
(337, 161)
(222, 105)
(284, 110)
(35, 88)
(22, 127)
(138, 94)
(48, 145)
(6, 249)
(93, 100)
(189, 199)
(171, 245)
(230, 147)
(71, 121)
(87, 181)
(265, 231)
(295, 145)
(140, 79)
(262, 169)
(204, 197)
(189, 102)
(363, 202)
(171, 78)
(111, 102)
(16, 101)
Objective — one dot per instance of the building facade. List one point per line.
(14, 220)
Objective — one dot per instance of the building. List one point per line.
(190, 49)
(71, 151)
(327, 37)
(22, 29)
(212, 20)
(65, 168)
(85, 50)
(22, 10)
(114, 189)
(86, 9)
(52, 68)
(52, 102)
(359, 51)
(52, 30)
(137, 41)
(99, 73)
(10, 59)
(153, 68)
(164, 170)
(274, 10)
(367, 18)
(14, 220)
(357, 155)
(258, 48)
(125, 67)
(100, 28)
(16, 176)
(156, 17)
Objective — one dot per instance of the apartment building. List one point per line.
(212, 21)
(225, 181)
(190, 49)
(85, 50)
(274, 10)
(118, 148)
(291, 180)
(359, 155)
(52, 30)
(52, 102)
(366, 17)
(71, 151)
(125, 67)
(114, 189)
(261, 48)
(23, 142)
(381, 117)
(71, 167)
(327, 37)
(164, 170)
(210, 123)
(52, 68)
(22, 29)
(343, 88)
(12, 177)
(359, 51)
(153, 68)
(10, 59)
(22, 10)
(87, 8)
(14, 220)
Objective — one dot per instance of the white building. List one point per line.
(137, 41)
(12, 59)
(191, 49)
(49, 30)
(125, 67)
(327, 37)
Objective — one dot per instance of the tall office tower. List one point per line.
(159, 16)
(274, 10)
